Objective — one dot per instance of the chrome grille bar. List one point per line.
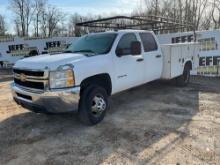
(28, 82)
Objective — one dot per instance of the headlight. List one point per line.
(62, 79)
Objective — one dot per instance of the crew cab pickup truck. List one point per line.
(95, 67)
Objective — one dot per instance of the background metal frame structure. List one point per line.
(157, 24)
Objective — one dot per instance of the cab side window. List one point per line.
(149, 42)
(124, 45)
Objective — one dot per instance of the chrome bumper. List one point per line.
(54, 101)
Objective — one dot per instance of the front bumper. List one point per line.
(54, 101)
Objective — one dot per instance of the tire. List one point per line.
(93, 105)
(184, 79)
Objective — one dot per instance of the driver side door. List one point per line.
(128, 68)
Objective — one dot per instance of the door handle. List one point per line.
(140, 60)
(158, 56)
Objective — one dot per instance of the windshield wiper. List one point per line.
(67, 51)
(85, 51)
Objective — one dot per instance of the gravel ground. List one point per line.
(157, 123)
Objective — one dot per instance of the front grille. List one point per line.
(29, 73)
(31, 80)
(29, 84)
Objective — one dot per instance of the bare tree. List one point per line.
(40, 7)
(2, 25)
(51, 22)
(54, 17)
(29, 11)
(215, 13)
(17, 27)
(73, 30)
(199, 9)
(206, 23)
(152, 7)
(192, 11)
(23, 12)
(17, 7)
(43, 23)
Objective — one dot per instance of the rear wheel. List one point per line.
(93, 105)
(184, 79)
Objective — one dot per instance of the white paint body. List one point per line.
(125, 72)
(200, 35)
(176, 56)
(209, 54)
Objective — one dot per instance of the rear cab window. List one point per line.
(149, 42)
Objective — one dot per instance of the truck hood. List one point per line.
(49, 61)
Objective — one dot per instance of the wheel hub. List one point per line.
(98, 105)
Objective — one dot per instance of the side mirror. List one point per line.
(135, 48)
(8, 51)
(119, 52)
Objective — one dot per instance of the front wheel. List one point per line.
(184, 79)
(93, 105)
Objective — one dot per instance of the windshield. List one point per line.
(93, 44)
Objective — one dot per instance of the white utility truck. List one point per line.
(95, 67)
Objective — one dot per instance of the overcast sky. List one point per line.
(83, 7)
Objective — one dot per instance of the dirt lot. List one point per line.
(153, 124)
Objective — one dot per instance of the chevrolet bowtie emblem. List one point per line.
(23, 77)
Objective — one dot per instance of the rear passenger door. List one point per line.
(152, 56)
